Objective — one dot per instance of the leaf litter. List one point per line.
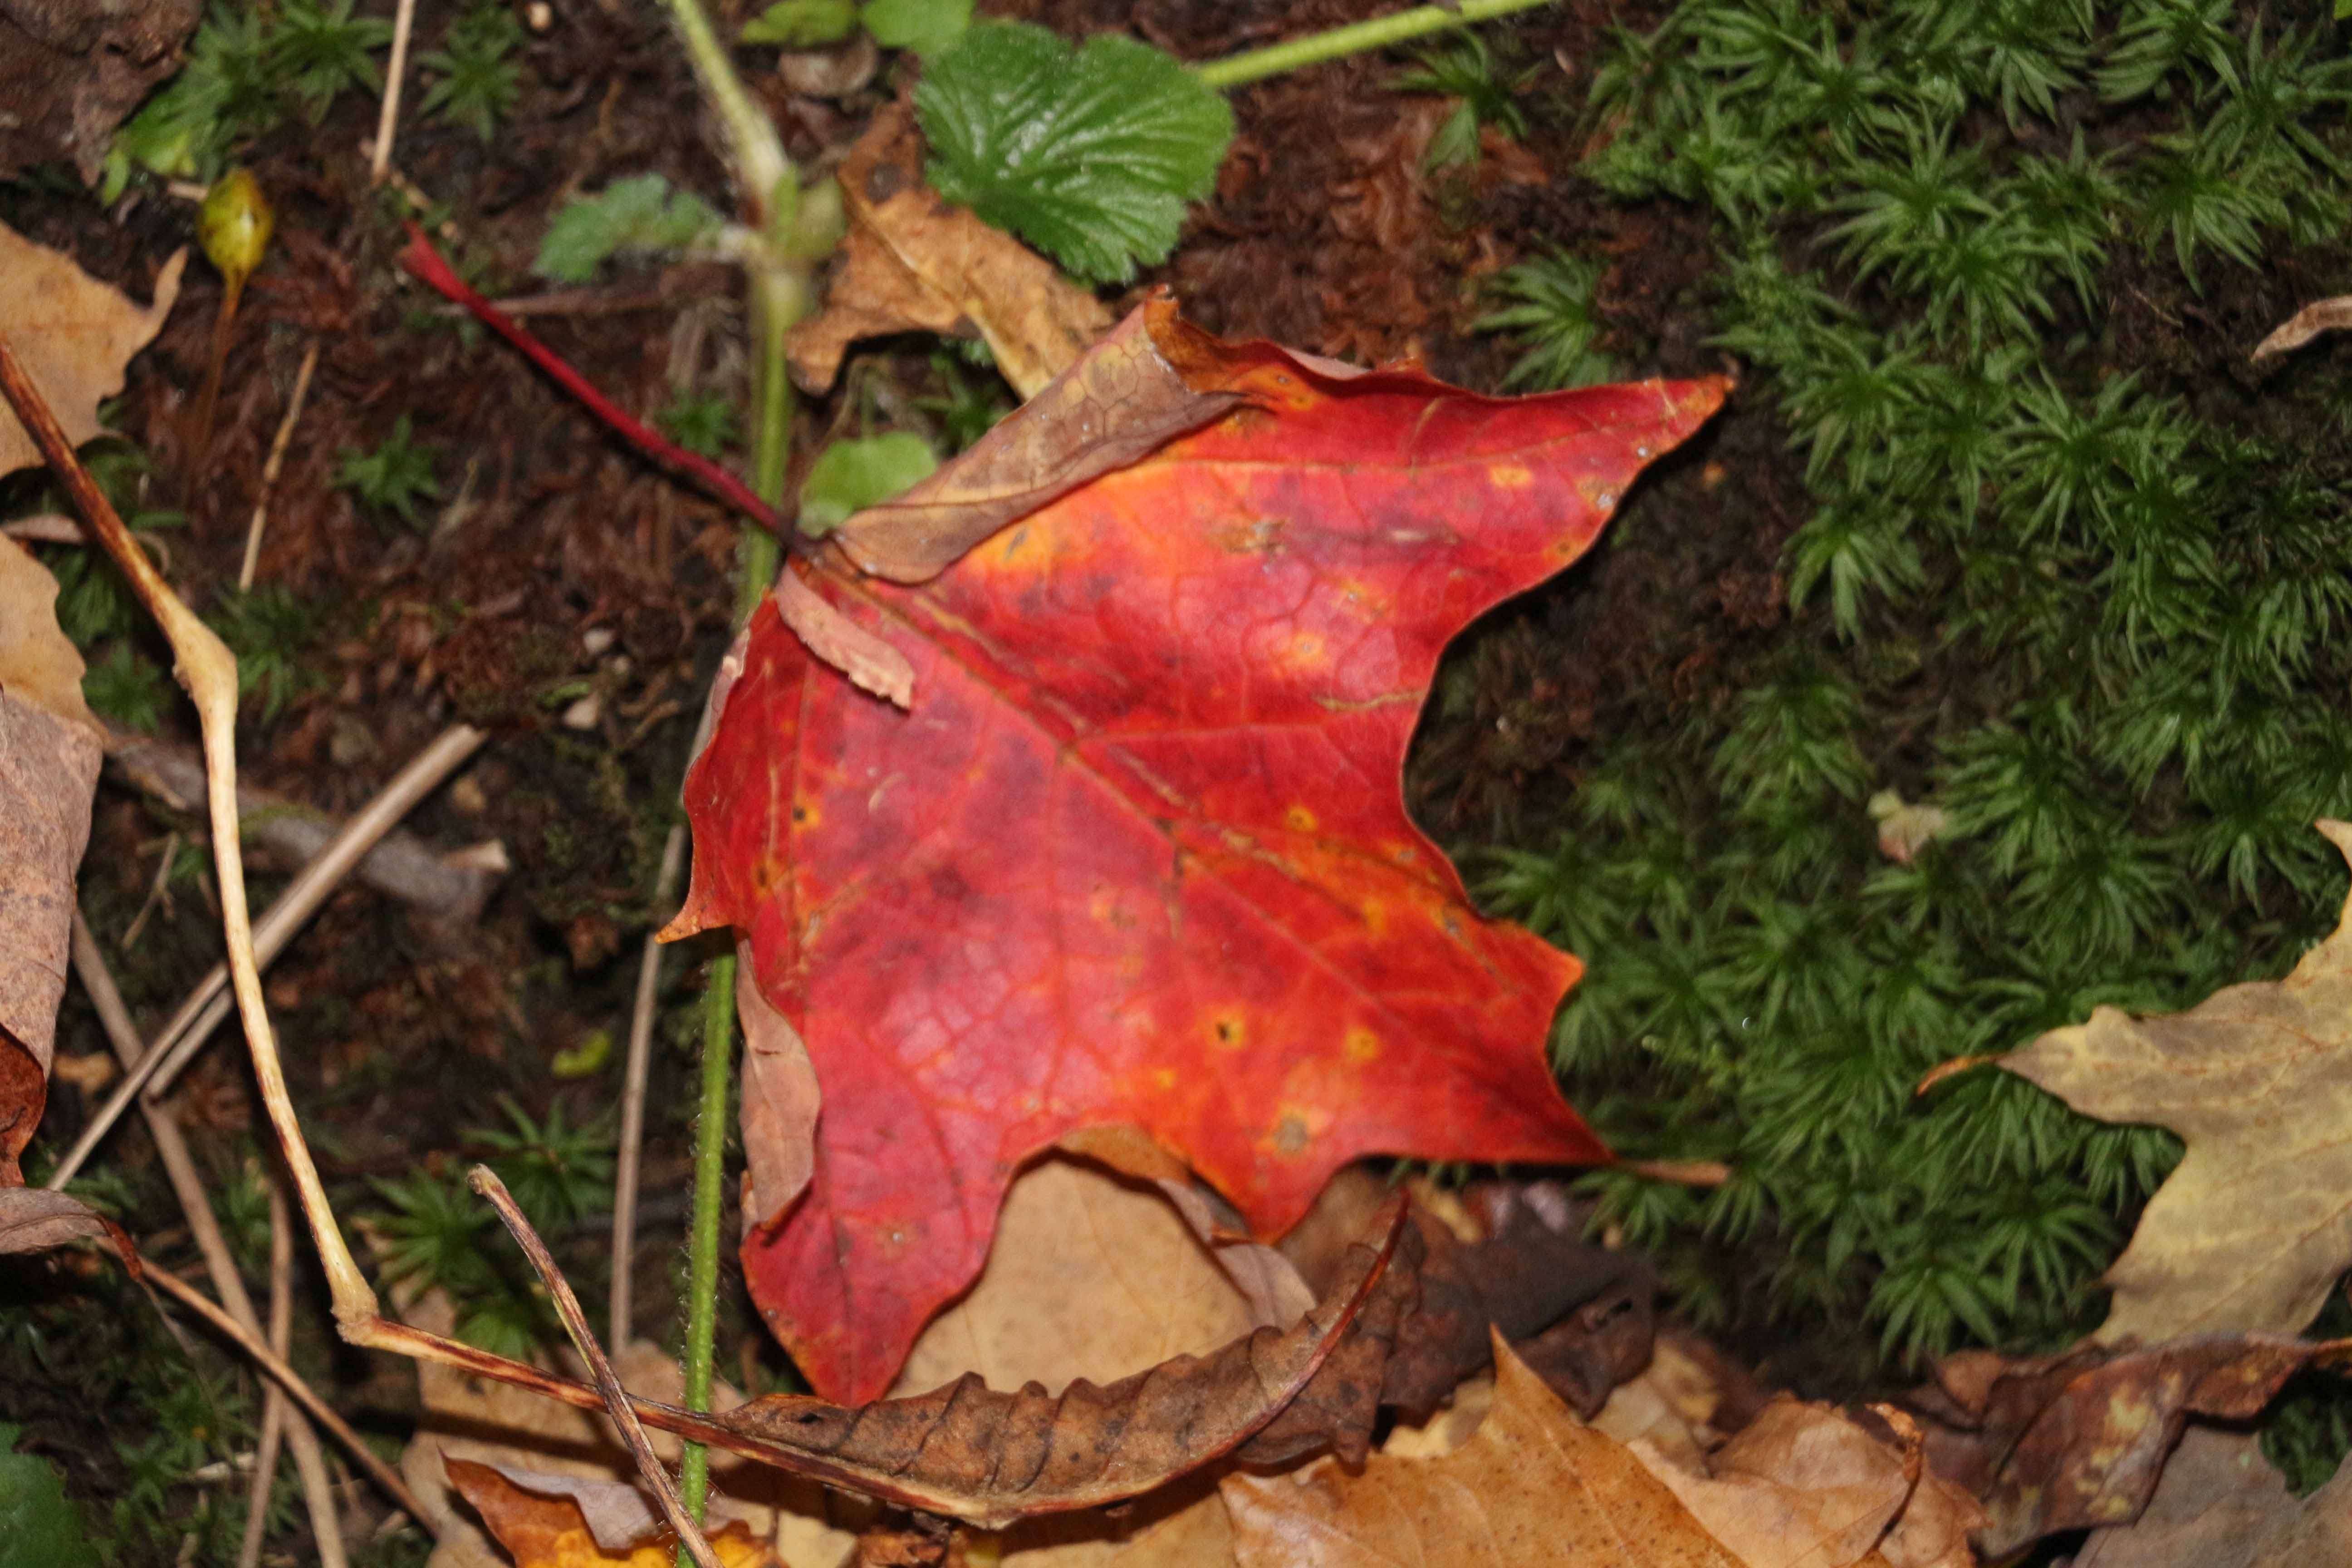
(2021, 1374)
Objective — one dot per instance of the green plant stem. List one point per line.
(702, 1239)
(777, 272)
(1379, 33)
(769, 185)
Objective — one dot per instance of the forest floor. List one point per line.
(554, 566)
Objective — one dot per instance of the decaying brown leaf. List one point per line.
(1091, 1276)
(74, 334)
(1535, 1488)
(1099, 1276)
(1801, 1486)
(50, 749)
(1152, 378)
(970, 1452)
(2220, 1505)
(2076, 1440)
(911, 262)
(2325, 316)
(2254, 1228)
(556, 1521)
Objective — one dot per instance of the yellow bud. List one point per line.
(235, 224)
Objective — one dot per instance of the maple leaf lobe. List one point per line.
(1139, 856)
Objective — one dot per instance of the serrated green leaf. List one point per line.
(926, 26)
(1090, 156)
(850, 475)
(640, 213)
(802, 24)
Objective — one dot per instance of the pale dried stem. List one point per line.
(192, 1024)
(188, 1184)
(486, 1182)
(206, 669)
(387, 119)
(278, 443)
(633, 1101)
(274, 1408)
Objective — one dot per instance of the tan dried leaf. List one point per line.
(2254, 1228)
(2220, 1505)
(50, 749)
(911, 262)
(1535, 1488)
(1150, 379)
(73, 332)
(1091, 1275)
(1800, 1487)
(2323, 316)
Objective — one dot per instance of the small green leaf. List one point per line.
(926, 26)
(1090, 156)
(802, 24)
(1455, 145)
(39, 1525)
(641, 213)
(850, 475)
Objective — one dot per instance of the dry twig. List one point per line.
(633, 1101)
(180, 1168)
(207, 1005)
(278, 444)
(486, 1182)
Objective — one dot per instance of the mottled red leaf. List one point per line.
(1139, 854)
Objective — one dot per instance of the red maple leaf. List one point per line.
(1138, 855)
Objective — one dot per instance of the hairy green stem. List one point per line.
(769, 185)
(1379, 33)
(794, 236)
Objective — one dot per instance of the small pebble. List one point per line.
(584, 713)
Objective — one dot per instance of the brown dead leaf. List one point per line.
(1149, 380)
(496, 1425)
(2325, 316)
(2255, 1226)
(1800, 1487)
(911, 262)
(1536, 1487)
(73, 332)
(33, 1219)
(2220, 1505)
(2078, 1440)
(1091, 1276)
(554, 1522)
(50, 749)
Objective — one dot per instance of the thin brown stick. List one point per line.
(188, 1184)
(204, 1009)
(274, 1410)
(485, 1180)
(276, 460)
(387, 119)
(633, 1101)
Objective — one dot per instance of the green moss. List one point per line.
(2091, 614)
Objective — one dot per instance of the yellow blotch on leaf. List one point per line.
(1229, 1031)
(1361, 1044)
(1301, 820)
(1509, 476)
